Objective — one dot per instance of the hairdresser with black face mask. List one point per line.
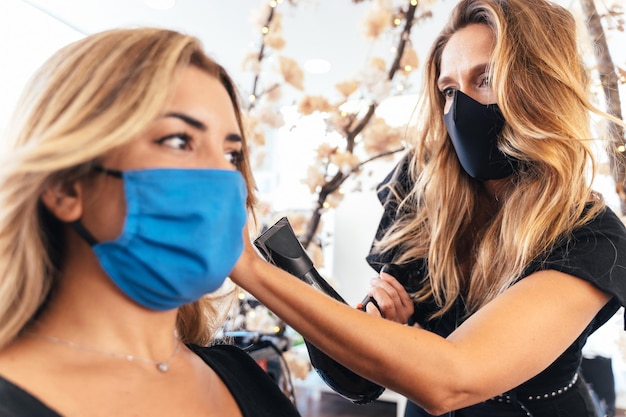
(500, 258)
(463, 267)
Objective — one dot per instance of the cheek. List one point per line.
(485, 96)
(105, 209)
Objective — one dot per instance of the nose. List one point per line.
(480, 96)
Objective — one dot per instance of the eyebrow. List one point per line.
(233, 137)
(479, 68)
(189, 120)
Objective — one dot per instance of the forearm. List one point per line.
(411, 361)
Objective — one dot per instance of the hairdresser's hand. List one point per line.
(393, 301)
(245, 266)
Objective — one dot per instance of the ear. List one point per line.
(64, 200)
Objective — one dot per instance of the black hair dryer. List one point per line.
(280, 246)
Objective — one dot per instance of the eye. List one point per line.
(484, 81)
(234, 157)
(181, 141)
(448, 93)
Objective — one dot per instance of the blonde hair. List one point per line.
(92, 96)
(541, 87)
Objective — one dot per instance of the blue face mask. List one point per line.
(182, 236)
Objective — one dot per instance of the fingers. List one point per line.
(393, 301)
(372, 308)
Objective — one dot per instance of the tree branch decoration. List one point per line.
(610, 76)
(352, 117)
(377, 138)
(262, 102)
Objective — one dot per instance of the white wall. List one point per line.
(355, 220)
(29, 37)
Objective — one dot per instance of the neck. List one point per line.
(87, 308)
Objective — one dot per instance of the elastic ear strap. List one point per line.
(112, 172)
(82, 231)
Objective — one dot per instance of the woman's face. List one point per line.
(465, 65)
(197, 129)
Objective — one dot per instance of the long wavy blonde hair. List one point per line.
(541, 87)
(92, 96)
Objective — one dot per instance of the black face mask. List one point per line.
(474, 129)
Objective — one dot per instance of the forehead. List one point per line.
(467, 47)
(203, 95)
(198, 85)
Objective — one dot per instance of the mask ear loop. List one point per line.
(112, 172)
(77, 225)
(82, 231)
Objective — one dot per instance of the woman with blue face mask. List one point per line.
(125, 187)
(498, 253)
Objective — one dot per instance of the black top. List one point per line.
(256, 394)
(595, 253)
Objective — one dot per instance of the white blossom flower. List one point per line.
(377, 19)
(311, 104)
(274, 40)
(291, 72)
(268, 115)
(251, 63)
(375, 83)
(258, 17)
(409, 60)
(324, 151)
(314, 179)
(273, 94)
(345, 161)
(379, 64)
(379, 137)
(254, 133)
(339, 120)
(276, 25)
(346, 88)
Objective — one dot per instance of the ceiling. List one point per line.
(313, 29)
(331, 30)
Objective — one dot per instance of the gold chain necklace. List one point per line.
(162, 366)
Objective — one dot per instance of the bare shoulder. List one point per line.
(17, 359)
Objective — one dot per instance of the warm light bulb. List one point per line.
(413, 2)
(326, 204)
(397, 21)
(621, 148)
(265, 30)
(252, 98)
(273, 4)
(408, 68)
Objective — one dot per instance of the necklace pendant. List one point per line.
(163, 367)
